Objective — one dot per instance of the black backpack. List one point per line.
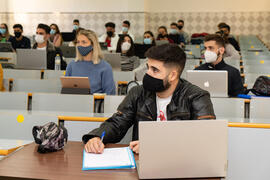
(261, 86)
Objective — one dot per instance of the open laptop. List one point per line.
(183, 149)
(75, 82)
(114, 59)
(140, 49)
(68, 52)
(215, 82)
(31, 59)
(6, 47)
(68, 36)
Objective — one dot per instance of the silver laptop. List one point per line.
(114, 59)
(31, 59)
(215, 82)
(183, 149)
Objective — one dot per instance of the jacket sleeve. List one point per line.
(116, 127)
(202, 107)
(237, 84)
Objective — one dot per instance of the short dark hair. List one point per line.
(18, 26)
(225, 26)
(169, 54)
(173, 24)
(76, 21)
(181, 20)
(110, 24)
(217, 38)
(45, 27)
(127, 22)
(221, 24)
(163, 27)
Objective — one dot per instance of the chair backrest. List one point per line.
(62, 102)
(13, 100)
(111, 103)
(12, 129)
(21, 74)
(51, 74)
(123, 76)
(259, 108)
(37, 85)
(228, 107)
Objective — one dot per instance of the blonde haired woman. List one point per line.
(89, 63)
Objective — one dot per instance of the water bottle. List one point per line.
(57, 63)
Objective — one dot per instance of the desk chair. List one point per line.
(13, 100)
(62, 102)
(259, 108)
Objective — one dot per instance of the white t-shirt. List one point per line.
(162, 108)
(43, 48)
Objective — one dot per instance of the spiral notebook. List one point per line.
(111, 158)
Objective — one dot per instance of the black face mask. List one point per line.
(154, 85)
(17, 34)
(180, 27)
(160, 36)
(110, 33)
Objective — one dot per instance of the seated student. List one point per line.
(175, 35)
(4, 33)
(180, 25)
(230, 52)
(164, 96)
(76, 25)
(126, 29)
(163, 34)
(149, 38)
(55, 35)
(125, 46)
(19, 41)
(215, 49)
(1, 78)
(110, 37)
(226, 29)
(89, 63)
(43, 43)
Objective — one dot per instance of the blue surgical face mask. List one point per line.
(173, 31)
(147, 41)
(3, 31)
(84, 50)
(75, 27)
(124, 29)
(52, 31)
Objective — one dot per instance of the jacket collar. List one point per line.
(220, 65)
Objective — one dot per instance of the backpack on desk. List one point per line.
(51, 137)
(261, 86)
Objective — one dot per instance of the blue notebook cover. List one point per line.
(110, 159)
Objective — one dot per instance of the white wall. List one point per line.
(206, 5)
(22, 6)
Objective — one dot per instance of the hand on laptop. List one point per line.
(134, 146)
(94, 145)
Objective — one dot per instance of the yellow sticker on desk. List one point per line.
(262, 62)
(190, 53)
(257, 53)
(64, 73)
(251, 47)
(197, 46)
(20, 118)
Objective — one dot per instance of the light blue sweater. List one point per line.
(100, 75)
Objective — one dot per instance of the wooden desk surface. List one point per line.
(65, 164)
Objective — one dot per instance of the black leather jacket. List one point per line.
(189, 102)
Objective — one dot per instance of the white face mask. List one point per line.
(125, 46)
(210, 56)
(39, 38)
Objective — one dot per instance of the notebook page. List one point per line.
(110, 158)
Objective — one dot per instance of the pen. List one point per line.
(102, 136)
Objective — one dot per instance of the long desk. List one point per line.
(65, 164)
